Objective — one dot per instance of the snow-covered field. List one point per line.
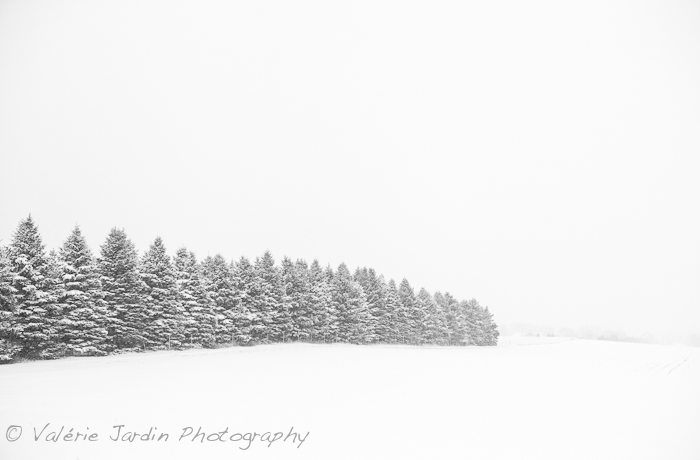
(539, 398)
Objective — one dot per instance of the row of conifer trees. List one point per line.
(69, 303)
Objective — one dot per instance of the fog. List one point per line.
(540, 157)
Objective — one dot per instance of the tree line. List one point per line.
(70, 303)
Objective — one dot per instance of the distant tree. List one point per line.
(453, 320)
(492, 329)
(480, 328)
(397, 313)
(443, 332)
(413, 318)
(431, 320)
(470, 323)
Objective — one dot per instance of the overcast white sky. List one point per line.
(541, 156)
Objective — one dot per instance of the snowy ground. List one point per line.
(539, 398)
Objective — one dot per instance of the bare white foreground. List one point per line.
(527, 398)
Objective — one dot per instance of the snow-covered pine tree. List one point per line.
(397, 313)
(8, 346)
(165, 325)
(322, 309)
(297, 293)
(383, 311)
(7, 292)
(414, 317)
(273, 318)
(122, 288)
(34, 324)
(244, 280)
(442, 335)
(354, 318)
(193, 300)
(426, 304)
(459, 322)
(360, 276)
(240, 317)
(218, 282)
(375, 289)
(444, 332)
(290, 297)
(491, 330)
(339, 305)
(449, 306)
(289, 300)
(303, 318)
(334, 333)
(473, 323)
(54, 347)
(53, 269)
(84, 324)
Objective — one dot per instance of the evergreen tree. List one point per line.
(491, 328)
(412, 320)
(7, 291)
(303, 317)
(296, 287)
(431, 327)
(273, 318)
(290, 296)
(397, 313)
(84, 324)
(360, 275)
(354, 319)
(8, 347)
(219, 284)
(457, 322)
(473, 323)
(122, 287)
(443, 310)
(245, 281)
(239, 316)
(193, 301)
(321, 307)
(54, 347)
(446, 306)
(375, 289)
(34, 324)
(164, 328)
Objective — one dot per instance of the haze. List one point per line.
(542, 157)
